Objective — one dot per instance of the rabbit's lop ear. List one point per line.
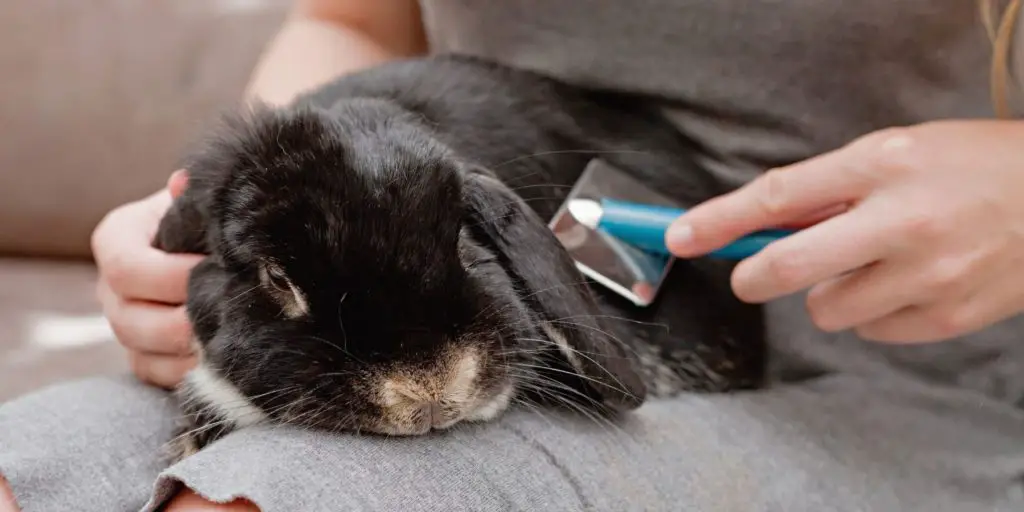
(548, 282)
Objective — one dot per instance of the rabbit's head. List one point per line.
(370, 279)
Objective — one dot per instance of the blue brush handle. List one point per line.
(644, 226)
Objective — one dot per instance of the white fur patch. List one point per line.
(292, 300)
(563, 344)
(492, 409)
(460, 387)
(300, 307)
(224, 397)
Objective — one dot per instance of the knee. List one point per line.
(7, 503)
(188, 501)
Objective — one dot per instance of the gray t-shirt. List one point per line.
(763, 83)
(757, 83)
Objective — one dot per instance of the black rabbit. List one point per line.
(379, 258)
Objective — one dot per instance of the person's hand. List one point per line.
(142, 289)
(922, 237)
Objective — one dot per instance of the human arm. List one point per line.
(927, 244)
(322, 39)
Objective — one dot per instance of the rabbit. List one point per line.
(378, 259)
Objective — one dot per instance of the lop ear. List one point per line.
(551, 286)
(183, 228)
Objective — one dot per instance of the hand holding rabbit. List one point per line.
(142, 289)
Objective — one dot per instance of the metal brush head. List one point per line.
(624, 269)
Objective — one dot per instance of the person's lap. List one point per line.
(866, 437)
(838, 442)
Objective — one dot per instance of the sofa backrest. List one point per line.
(99, 97)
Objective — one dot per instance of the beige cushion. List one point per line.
(98, 97)
(51, 326)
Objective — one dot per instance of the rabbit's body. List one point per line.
(376, 196)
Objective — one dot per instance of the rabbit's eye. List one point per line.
(482, 261)
(276, 277)
(291, 299)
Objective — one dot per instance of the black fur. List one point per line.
(409, 203)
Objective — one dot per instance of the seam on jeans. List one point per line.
(573, 483)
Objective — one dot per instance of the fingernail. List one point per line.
(179, 174)
(177, 182)
(679, 235)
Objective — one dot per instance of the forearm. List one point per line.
(316, 44)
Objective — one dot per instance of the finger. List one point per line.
(863, 296)
(177, 183)
(824, 251)
(905, 280)
(150, 275)
(128, 222)
(997, 299)
(911, 325)
(126, 259)
(779, 197)
(816, 217)
(146, 326)
(924, 323)
(163, 371)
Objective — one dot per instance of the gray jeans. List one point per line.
(870, 433)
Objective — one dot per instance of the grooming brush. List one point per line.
(614, 229)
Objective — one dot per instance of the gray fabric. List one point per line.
(754, 82)
(872, 440)
(848, 426)
(86, 445)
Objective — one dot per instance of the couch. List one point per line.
(99, 99)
